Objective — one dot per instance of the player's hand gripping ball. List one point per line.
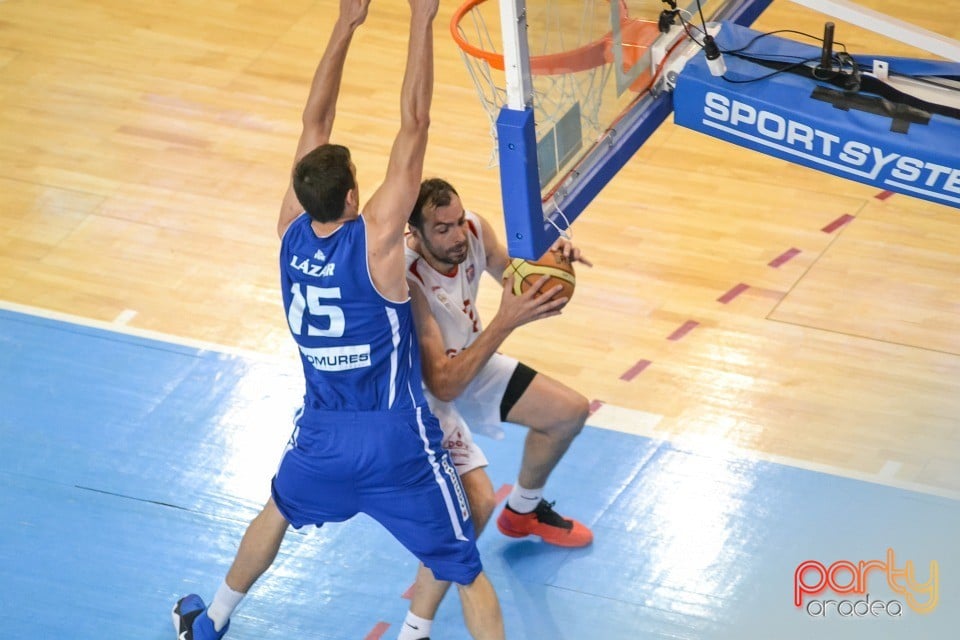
(553, 263)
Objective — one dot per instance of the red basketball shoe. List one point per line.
(546, 523)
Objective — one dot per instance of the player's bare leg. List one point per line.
(555, 414)
(481, 609)
(428, 592)
(258, 549)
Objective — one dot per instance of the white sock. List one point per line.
(414, 627)
(223, 604)
(523, 500)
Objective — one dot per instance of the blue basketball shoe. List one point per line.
(191, 621)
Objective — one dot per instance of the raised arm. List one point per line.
(321, 104)
(387, 211)
(497, 258)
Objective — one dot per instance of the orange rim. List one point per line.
(582, 58)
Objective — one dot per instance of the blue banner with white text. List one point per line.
(847, 119)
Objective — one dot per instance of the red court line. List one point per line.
(594, 405)
(836, 224)
(377, 632)
(733, 293)
(883, 195)
(408, 594)
(786, 256)
(635, 370)
(684, 329)
(503, 492)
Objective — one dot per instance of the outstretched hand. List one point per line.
(354, 12)
(533, 304)
(570, 252)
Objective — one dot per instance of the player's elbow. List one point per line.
(446, 396)
(422, 117)
(443, 388)
(444, 392)
(316, 127)
(435, 382)
(416, 119)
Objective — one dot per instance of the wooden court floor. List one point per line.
(745, 303)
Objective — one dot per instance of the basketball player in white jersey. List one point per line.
(472, 387)
(365, 440)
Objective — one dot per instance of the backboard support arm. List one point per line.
(887, 26)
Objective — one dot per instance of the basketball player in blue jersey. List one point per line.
(365, 440)
(474, 387)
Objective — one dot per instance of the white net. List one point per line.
(572, 58)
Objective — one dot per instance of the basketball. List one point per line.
(554, 264)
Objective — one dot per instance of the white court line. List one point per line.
(125, 317)
(630, 421)
(890, 469)
(645, 424)
(124, 329)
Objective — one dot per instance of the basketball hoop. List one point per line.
(583, 58)
(571, 58)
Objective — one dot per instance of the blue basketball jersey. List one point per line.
(359, 350)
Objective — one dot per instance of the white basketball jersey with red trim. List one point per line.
(453, 297)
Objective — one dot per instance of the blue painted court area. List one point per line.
(130, 467)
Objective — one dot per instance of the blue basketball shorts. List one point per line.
(389, 465)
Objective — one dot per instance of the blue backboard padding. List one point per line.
(520, 181)
(777, 116)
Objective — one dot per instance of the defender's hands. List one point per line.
(354, 12)
(570, 252)
(532, 304)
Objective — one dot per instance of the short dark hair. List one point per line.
(322, 180)
(433, 191)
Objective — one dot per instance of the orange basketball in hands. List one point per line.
(553, 263)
